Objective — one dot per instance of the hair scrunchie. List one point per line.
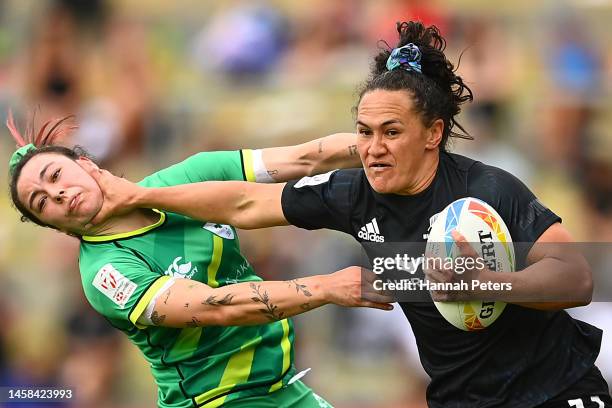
(18, 155)
(407, 57)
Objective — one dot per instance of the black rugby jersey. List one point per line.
(527, 356)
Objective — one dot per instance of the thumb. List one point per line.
(464, 247)
(95, 173)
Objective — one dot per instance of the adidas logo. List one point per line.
(370, 232)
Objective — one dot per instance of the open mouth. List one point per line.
(379, 165)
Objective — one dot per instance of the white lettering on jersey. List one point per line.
(314, 180)
(432, 219)
(371, 232)
(114, 285)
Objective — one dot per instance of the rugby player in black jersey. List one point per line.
(535, 355)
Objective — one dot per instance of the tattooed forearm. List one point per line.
(352, 150)
(299, 287)
(271, 311)
(167, 296)
(224, 301)
(193, 323)
(157, 319)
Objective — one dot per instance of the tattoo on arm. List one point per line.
(167, 296)
(320, 146)
(224, 301)
(187, 304)
(299, 287)
(157, 319)
(352, 150)
(193, 323)
(271, 310)
(272, 172)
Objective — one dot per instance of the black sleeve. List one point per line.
(525, 216)
(322, 201)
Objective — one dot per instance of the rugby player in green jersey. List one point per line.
(212, 331)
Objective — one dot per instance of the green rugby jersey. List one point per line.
(193, 367)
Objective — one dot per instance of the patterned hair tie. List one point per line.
(407, 57)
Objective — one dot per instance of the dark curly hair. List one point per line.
(437, 92)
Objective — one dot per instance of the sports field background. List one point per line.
(154, 81)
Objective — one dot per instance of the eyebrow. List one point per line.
(385, 123)
(41, 176)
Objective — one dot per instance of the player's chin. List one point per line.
(381, 187)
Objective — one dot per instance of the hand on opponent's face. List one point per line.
(119, 195)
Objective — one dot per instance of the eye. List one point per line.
(41, 203)
(392, 132)
(364, 132)
(55, 175)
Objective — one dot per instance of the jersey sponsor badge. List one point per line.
(314, 180)
(371, 232)
(114, 285)
(222, 230)
(181, 270)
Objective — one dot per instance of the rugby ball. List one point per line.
(487, 233)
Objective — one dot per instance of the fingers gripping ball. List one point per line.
(487, 234)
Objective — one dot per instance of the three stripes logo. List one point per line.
(370, 232)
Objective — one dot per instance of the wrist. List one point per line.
(141, 197)
(323, 288)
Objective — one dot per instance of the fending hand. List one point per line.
(119, 194)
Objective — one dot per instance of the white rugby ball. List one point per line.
(487, 233)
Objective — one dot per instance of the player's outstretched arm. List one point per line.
(336, 151)
(238, 203)
(189, 303)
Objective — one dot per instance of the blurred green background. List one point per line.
(152, 82)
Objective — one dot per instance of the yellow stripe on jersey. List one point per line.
(247, 163)
(139, 231)
(146, 299)
(286, 347)
(213, 267)
(236, 372)
(186, 344)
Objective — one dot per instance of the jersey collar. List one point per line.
(129, 234)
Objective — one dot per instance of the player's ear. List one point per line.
(87, 164)
(434, 134)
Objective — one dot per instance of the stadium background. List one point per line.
(152, 82)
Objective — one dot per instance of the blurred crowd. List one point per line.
(152, 82)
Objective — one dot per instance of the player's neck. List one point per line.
(132, 221)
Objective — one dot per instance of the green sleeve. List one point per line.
(120, 287)
(205, 166)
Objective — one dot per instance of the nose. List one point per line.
(60, 195)
(377, 147)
